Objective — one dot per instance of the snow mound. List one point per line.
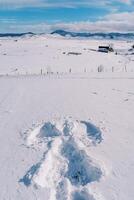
(65, 166)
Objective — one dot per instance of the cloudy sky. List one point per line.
(73, 15)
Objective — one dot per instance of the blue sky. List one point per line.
(76, 15)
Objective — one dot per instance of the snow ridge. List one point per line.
(66, 168)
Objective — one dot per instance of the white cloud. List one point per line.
(122, 22)
(115, 22)
(59, 3)
(126, 1)
(124, 16)
(11, 4)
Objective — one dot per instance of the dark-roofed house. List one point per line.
(106, 49)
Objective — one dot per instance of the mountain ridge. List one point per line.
(112, 35)
(16, 34)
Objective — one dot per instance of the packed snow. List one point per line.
(66, 126)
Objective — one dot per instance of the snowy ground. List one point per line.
(66, 136)
(44, 54)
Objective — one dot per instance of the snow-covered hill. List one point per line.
(115, 36)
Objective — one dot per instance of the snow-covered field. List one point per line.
(42, 54)
(66, 131)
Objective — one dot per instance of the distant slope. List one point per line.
(95, 35)
(15, 34)
(128, 36)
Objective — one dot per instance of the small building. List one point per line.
(106, 49)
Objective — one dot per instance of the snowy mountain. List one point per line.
(100, 35)
(16, 34)
(95, 35)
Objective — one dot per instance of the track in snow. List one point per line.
(65, 168)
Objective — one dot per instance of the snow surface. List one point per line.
(66, 134)
(50, 54)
